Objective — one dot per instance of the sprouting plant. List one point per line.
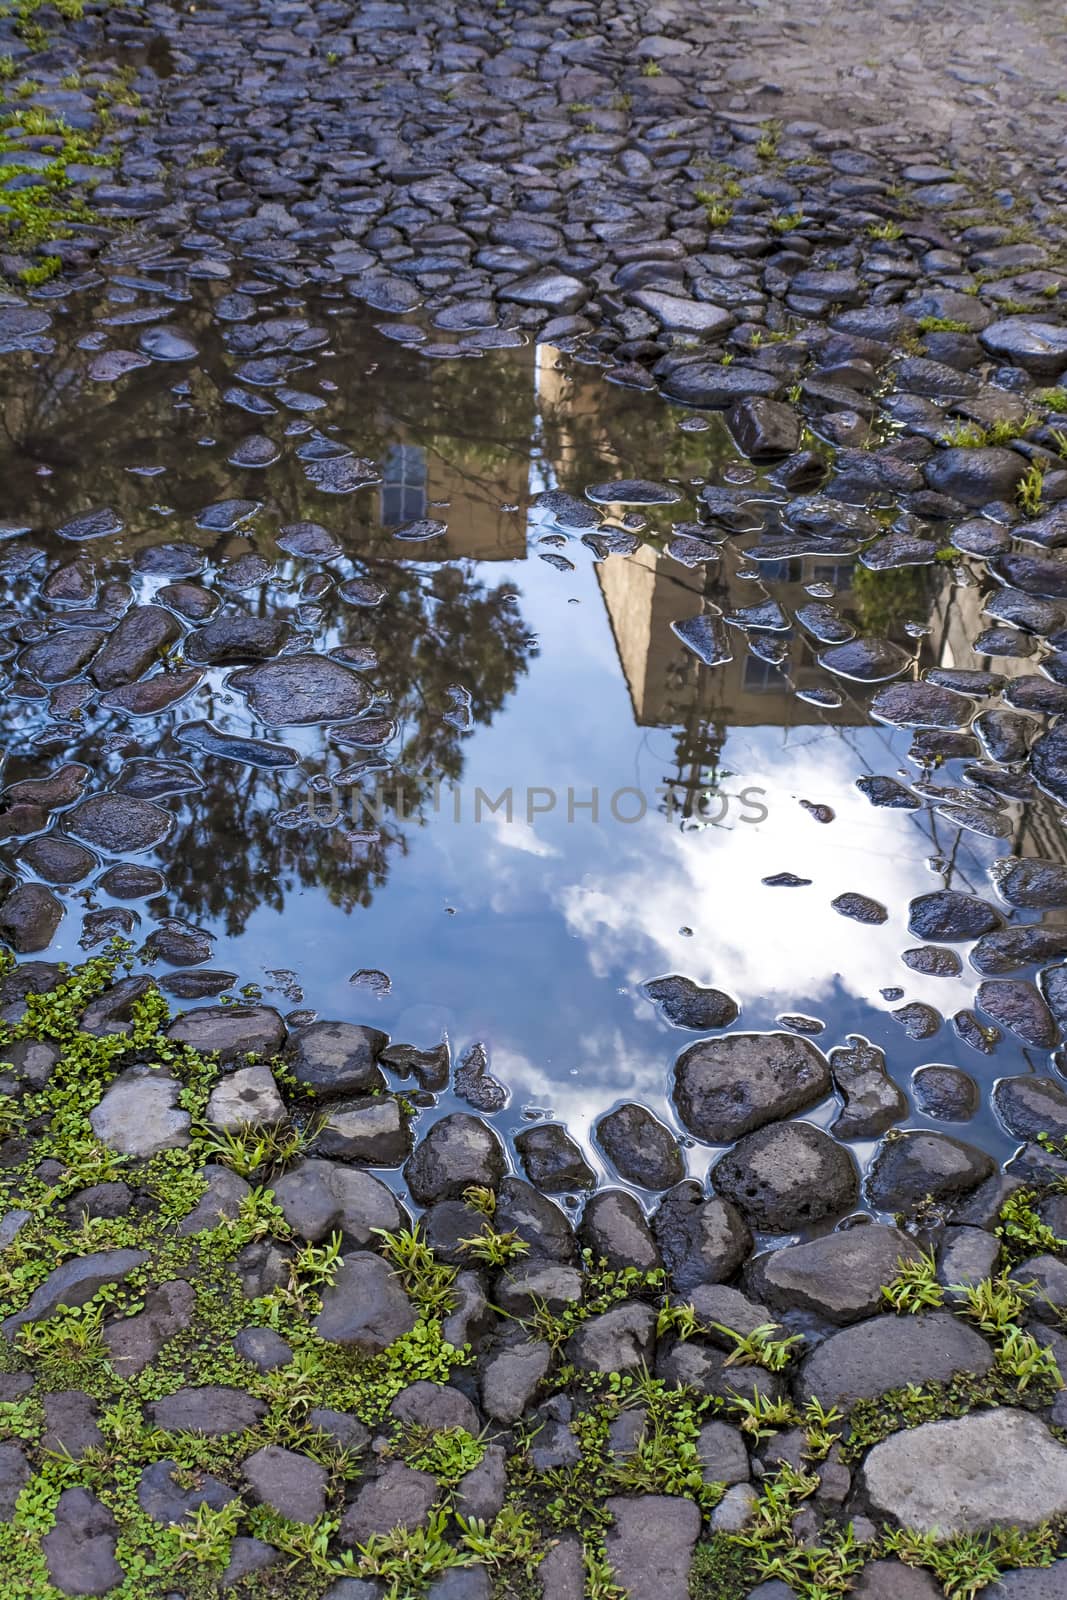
(767, 144)
(295, 1388)
(761, 1416)
(206, 1537)
(407, 1559)
(512, 1538)
(1003, 430)
(73, 1337)
(1029, 489)
(994, 1305)
(1021, 1229)
(717, 211)
(942, 325)
(884, 230)
(494, 1249)
(969, 1562)
(480, 1198)
(682, 1321)
(787, 221)
(257, 1148)
(449, 1453)
(777, 1505)
(1025, 1358)
(820, 1425)
(651, 69)
(1059, 436)
(425, 1278)
(1052, 399)
(599, 1578)
(760, 1348)
(966, 436)
(915, 1287)
(45, 270)
(665, 1458)
(313, 1267)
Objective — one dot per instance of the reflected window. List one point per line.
(404, 485)
(839, 573)
(761, 676)
(778, 571)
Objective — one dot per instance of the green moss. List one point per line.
(48, 206)
(721, 1570)
(968, 1563)
(68, 1351)
(942, 325)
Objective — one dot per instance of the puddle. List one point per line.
(545, 799)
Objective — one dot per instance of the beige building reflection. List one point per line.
(648, 591)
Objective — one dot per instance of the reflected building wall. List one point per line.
(647, 591)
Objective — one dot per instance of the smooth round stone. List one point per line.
(119, 823)
(686, 1004)
(727, 1086)
(865, 660)
(255, 451)
(302, 689)
(932, 962)
(166, 344)
(944, 1093)
(787, 1176)
(309, 540)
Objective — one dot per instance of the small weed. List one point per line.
(970, 1562)
(767, 144)
(494, 1249)
(479, 1198)
(761, 1417)
(255, 1148)
(788, 221)
(682, 1321)
(408, 1559)
(205, 1539)
(716, 209)
(1029, 489)
(1021, 1229)
(44, 272)
(966, 436)
(651, 69)
(821, 1426)
(426, 1279)
(513, 1538)
(449, 1453)
(1024, 1358)
(942, 325)
(884, 230)
(915, 1287)
(70, 1340)
(760, 1348)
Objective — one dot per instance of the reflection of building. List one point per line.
(647, 592)
(957, 619)
(455, 485)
